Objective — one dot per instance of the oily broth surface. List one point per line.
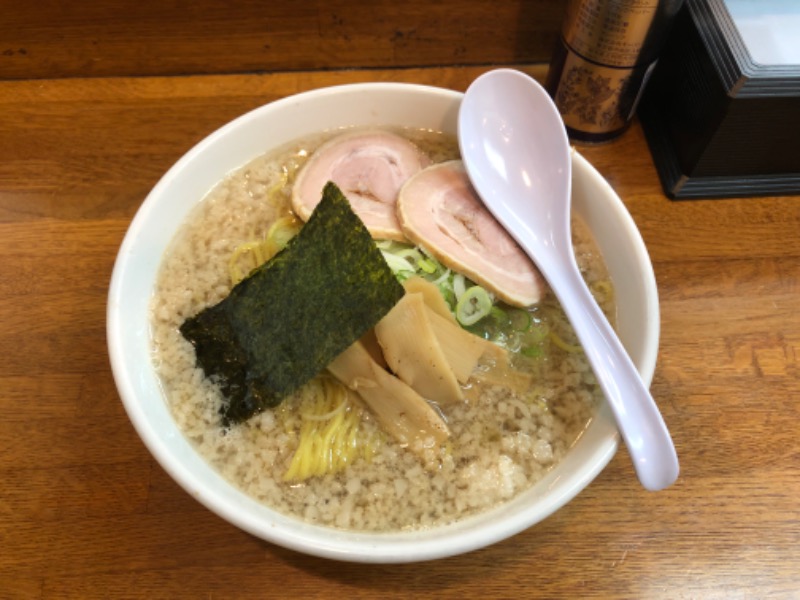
(502, 442)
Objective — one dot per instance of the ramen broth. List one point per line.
(503, 440)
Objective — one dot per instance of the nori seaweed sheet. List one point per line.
(287, 320)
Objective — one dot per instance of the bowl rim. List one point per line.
(185, 466)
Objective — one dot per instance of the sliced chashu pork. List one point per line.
(369, 167)
(439, 210)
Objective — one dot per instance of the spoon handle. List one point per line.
(638, 418)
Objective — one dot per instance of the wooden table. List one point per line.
(85, 511)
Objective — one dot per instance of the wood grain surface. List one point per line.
(53, 38)
(85, 512)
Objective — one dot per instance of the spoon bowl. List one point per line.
(516, 152)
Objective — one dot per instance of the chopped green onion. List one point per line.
(442, 279)
(521, 320)
(427, 265)
(412, 255)
(474, 304)
(459, 285)
(499, 314)
(399, 266)
(532, 351)
(447, 293)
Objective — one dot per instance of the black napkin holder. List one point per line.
(719, 124)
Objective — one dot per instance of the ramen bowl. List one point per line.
(272, 126)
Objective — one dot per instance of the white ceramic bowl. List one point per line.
(241, 140)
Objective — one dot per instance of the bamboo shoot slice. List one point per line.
(494, 368)
(432, 296)
(461, 349)
(401, 412)
(413, 352)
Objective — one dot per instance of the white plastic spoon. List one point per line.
(516, 152)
